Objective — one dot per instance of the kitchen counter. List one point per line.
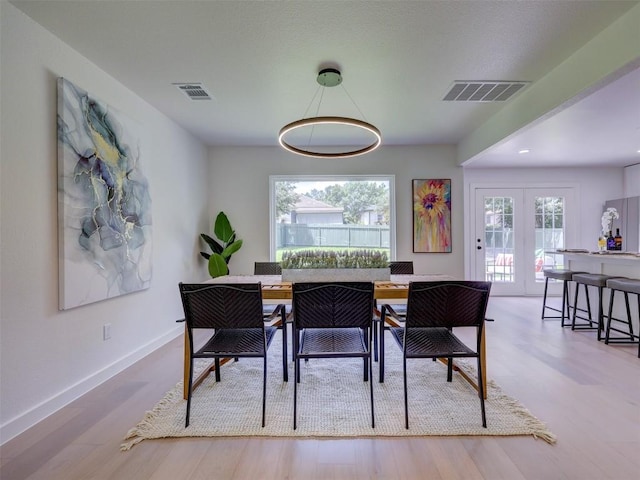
(609, 262)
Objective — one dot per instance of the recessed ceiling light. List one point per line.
(524, 150)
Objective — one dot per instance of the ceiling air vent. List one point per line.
(483, 91)
(195, 91)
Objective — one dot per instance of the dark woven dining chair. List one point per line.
(401, 268)
(395, 268)
(269, 309)
(434, 309)
(267, 268)
(332, 320)
(234, 313)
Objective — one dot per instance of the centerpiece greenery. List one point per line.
(222, 249)
(334, 259)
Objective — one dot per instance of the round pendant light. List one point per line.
(330, 77)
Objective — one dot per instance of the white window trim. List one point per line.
(339, 178)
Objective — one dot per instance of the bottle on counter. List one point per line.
(602, 242)
(611, 242)
(618, 240)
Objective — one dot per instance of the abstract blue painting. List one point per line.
(104, 205)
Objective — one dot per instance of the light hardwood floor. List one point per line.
(587, 393)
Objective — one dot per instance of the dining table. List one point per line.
(276, 291)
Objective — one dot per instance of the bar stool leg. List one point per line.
(600, 314)
(565, 303)
(626, 304)
(576, 308)
(628, 321)
(609, 316)
(575, 305)
(544, 298)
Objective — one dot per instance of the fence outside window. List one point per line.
(291, 235)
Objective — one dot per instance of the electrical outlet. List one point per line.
(106, 331)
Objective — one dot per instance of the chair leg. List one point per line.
(296, 359)
(366, 360)
(381, 357)
(406, 393)
(366, 369)
(373, 417)
(264, 388)
(449, 369)
(296, 377)
(296, 373)
(285, 367)
(375, 343)
(217, 369)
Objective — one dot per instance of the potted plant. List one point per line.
(323, 265)
(222, 248)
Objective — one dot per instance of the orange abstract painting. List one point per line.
(432, 216)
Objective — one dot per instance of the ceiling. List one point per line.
(259, 61)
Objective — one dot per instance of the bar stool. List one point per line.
(595, 280)
(565, 276)
(626, 286)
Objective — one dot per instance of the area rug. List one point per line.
(333, 401)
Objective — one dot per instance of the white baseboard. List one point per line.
(23, 422)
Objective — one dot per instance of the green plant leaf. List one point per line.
(231, 249)
(217, 266)
(215, 246)
(222, 228)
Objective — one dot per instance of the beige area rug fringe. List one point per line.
(333, 401)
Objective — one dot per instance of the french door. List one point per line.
(516, 232)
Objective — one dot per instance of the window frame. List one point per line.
(391, 179)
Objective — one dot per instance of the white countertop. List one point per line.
(603, 254)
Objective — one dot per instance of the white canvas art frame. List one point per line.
(104, 205)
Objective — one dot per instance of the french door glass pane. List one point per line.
(550, 221)
(499, 236)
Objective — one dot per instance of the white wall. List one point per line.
(239, 179)
(48, 357)
(631, 181)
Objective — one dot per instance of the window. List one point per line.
(332, 213)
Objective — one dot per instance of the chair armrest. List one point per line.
(387, 310)
(278, 310)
